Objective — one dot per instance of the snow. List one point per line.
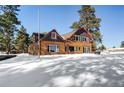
(70, 70)
(113, 51)
(63, 81)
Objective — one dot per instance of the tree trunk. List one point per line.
(8, 48)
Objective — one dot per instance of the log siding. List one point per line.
(65, 45)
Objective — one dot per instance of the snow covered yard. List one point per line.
(76, 70)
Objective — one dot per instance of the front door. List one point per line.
(71, 48)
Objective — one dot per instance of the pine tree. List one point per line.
(113, 47)
(102, 47)
(8, 23)
(2, 45)
(90, 22)
(22, 40)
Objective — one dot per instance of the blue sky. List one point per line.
(62, 17)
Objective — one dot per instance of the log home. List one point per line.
(78, 41)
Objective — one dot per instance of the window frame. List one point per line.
(81, 38)
(53, 35)
(56, 48)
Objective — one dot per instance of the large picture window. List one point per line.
(53, 48)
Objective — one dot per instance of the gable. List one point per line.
(81, 31)
(50, 35)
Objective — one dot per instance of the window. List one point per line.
(53, 48)
(86, 49)
(81, 38)
(76, 48)
(76, 38)
(53, 35)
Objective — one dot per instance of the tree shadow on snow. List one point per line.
(103, 71)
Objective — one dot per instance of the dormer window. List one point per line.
(53, 35)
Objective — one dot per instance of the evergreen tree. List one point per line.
(113, 47)
(90, 22)
(122, 44)
(22, 40)
(2, 40)
(8, 23)
(102, 47)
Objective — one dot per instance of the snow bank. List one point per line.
(112, 52)
(117, 52)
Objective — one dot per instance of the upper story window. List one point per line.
(81, 38)
(53, 35)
